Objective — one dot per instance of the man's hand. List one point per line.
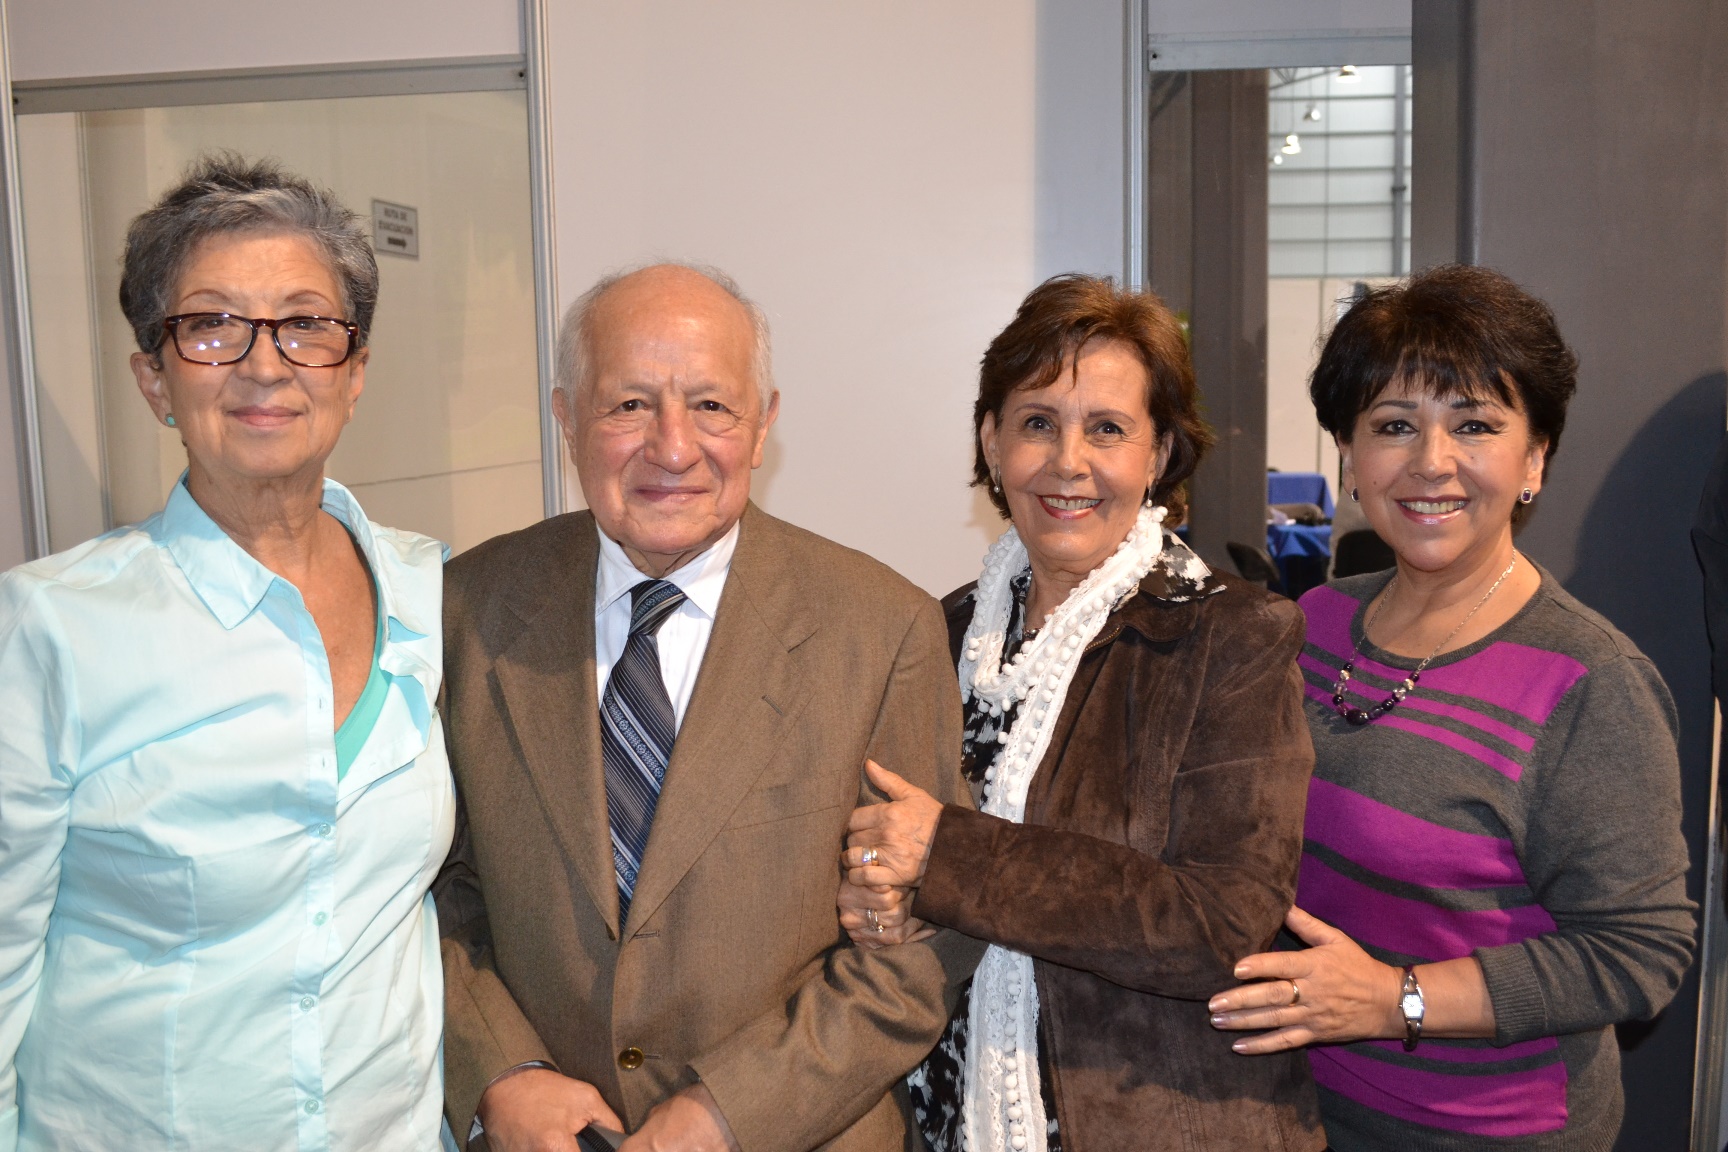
(687, 1122)
(539, 1110)
(879, 916)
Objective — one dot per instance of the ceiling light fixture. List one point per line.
(1312, 114)
(1347, 75)
(1292, 145)
(1277, 159)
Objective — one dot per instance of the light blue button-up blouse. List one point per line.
(207, 940)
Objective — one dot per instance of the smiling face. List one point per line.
(1438, 477)
(668, 427)
(1075, 460)
(262, 420)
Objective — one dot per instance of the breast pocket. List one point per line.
(791, 798)
(142, 901)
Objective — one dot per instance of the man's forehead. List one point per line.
(666, 293)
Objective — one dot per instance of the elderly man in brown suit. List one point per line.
(658, 712)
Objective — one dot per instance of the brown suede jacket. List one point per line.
(1162, 836)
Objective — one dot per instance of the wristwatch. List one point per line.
(1413, 1006)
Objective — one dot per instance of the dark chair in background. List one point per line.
(1360, 551)
(1255, 564)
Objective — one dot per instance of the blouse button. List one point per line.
(319, 919)
(306, 1003)
(312, 1107)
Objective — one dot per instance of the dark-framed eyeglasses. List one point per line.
(217, 338)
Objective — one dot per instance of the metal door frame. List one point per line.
(528, 71)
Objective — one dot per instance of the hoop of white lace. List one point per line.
(1003, 1104)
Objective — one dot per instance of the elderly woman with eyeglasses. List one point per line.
(223, 792)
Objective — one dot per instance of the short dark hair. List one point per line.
(1456, 330)
(225, 193)
(1059, 318)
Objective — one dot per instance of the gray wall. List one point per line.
(13, 547)
(1079, 144)
(1595, 144)
(1227, 282)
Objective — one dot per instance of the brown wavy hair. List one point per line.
(1059, 318)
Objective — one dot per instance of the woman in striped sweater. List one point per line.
(1493, 873)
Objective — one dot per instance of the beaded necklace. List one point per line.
(1359, 716)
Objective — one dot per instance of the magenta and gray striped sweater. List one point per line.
(1521, 806)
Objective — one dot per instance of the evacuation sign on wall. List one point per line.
(395, 228)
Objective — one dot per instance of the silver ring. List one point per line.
(1295, 993)
(871, 919)
(868, 858)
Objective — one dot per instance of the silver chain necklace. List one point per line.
(1359, 716)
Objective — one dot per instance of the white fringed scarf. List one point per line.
(1003, 1105)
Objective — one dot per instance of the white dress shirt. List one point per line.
(209, 940)
(683, 638)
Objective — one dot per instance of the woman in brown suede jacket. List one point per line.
(1136, 744)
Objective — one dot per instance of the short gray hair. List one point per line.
(225, 193)
(575, 365)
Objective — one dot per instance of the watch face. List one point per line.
(1411, 1006)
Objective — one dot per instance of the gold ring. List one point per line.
(871, 919)
(868, 858)
(1295, 993)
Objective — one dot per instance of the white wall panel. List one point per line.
(57, 39)
(867, 172)
(1080, 137)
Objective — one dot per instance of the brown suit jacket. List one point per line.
(732, 968)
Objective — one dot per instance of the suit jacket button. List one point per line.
(630, 1059)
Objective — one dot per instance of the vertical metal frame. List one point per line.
(538, 77)
(20, 352)
(1400, 175)
(1135, 86)
(1710, 1065)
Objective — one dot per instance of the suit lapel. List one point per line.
(546, 675)
(748, 694)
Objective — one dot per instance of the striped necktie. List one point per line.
(637, 728)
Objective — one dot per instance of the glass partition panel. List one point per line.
(1338, 220)
(446, 438)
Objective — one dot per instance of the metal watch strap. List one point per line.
(1412, 1024)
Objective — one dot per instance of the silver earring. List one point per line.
(1355, 497)
(996, 483)
(1526, 496)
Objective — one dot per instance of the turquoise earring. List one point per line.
(170, 420)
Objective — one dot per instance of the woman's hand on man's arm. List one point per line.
(887, 849)
(889, 844)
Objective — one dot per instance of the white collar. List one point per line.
(701, 580)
